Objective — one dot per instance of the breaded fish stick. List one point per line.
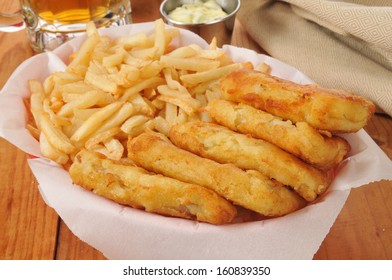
(226, 146)
(134, 186)
(326, 109)
(299, 139)
(249, 189)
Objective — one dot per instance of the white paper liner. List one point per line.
(121, 232)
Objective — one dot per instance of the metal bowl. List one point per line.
(221, 28)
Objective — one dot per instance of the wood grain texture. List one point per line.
(370, 207)
(32, 230)
(28, 225)
(71, 247)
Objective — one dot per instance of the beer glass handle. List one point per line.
(11, 22)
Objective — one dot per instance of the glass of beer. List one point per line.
(50, 23)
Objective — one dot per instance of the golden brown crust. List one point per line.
(299, 139)
(225, 146)
(326, 109)
(134, 186)
(249, 189)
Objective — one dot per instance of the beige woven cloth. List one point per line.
(339, 44)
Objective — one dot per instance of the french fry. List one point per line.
(159, 40)
(171, 113)
(142, 85)
(101, 137)
(151, 69)
(55, 136)
(183, 52)
(126, 111)
(209, 75)
(83, 101)
(49, 151)
(36, 100)
(115, 148)
(84, 114)
(190, 64)
(133, 122)
(95, 121)
(263, 67)
(81, 61)
(132, 41)
(188, 104)
(161, 125)
(112, 60)
(102, 82)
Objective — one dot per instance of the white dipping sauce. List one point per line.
(198, 12)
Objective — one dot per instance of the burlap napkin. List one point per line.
(339, 44)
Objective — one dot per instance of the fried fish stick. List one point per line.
(134, 186)
(226, 146)
(326, 109)
(249, 189)
(299, 139)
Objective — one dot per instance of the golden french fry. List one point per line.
(140, 86)
(49, 151)
(55, 135)
(101, 137)
(36, 100)
(65, 78)
(209, 75)
(159, 40)
(57, 121)
(73, 87)
(91, 29)
(145, 54)
(210, 53)
(84, 114)
(115, 148)
(133, 122)
(188, 104)
(95, 121)
(151, 69)
(161, 125)
(112, 60)
(83, 101)
(101, 81)
(81, 61)
(34, 131)
(183, 52)
(48, 85)
(126, 111)
(263, 67)
(190, 64)
(214, 44)
(132, 41)
(173, 83)
(126, 76)
(171, 111)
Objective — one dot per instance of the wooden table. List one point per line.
(32, 230)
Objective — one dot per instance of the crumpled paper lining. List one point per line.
(121, 232)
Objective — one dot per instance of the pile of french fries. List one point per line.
(115, 89)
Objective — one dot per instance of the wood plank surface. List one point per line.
(28, 225)
(32, 230)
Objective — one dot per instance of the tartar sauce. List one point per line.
(198, 12)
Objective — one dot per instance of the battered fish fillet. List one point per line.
(299, 139)
(225, 146)
(249, 189)
(326, 109)
(134, 186)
